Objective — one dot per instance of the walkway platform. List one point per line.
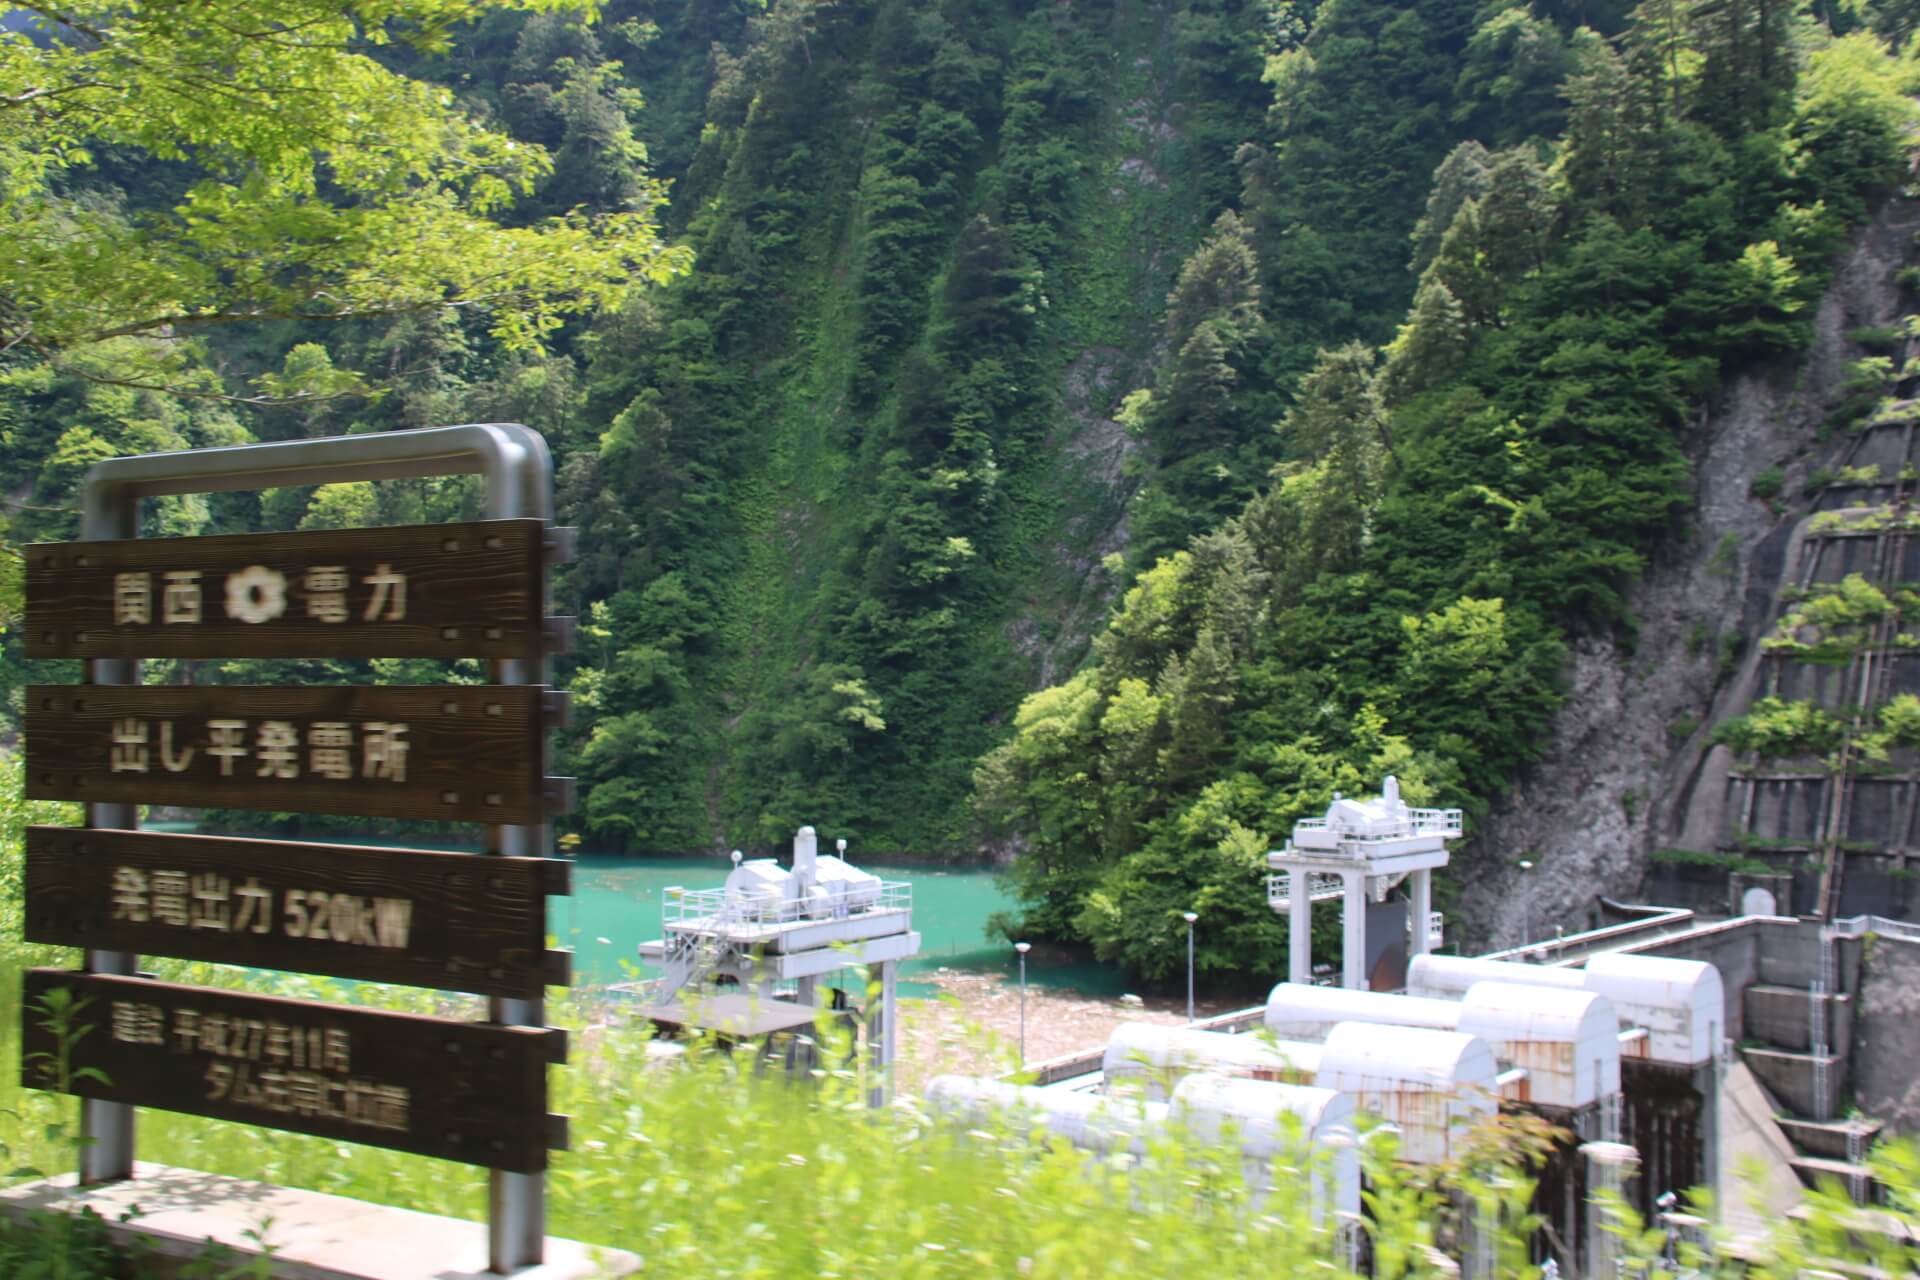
(308, 1235)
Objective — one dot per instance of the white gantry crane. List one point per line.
(771, 932)
(1357, 853)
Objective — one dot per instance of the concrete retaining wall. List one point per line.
(1886, 1042)
(1783, 1016)
(1778, 952)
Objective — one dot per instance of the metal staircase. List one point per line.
(689, 960)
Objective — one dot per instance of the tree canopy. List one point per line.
(292, 172)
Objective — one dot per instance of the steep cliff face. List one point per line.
(866, 463)
(1632, 767)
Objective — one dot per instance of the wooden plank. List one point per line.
(455, 921)
(428, 591)
(464, 753)
(465, 1091)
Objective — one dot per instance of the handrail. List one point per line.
(1856, 926)
(719, 909)
(1574, 945)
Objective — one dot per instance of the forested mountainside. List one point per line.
(1455, 506)
(1276, 387)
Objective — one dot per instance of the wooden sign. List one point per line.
(466, 1091)
(428, 591)
(424, 919)
(465, 753)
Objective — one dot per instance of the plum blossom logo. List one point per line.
(256, 594)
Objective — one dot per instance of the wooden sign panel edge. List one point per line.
(452, 738)
(503, 1067)
(415, 917)
(475, 589)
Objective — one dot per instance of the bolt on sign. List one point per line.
(469, 922)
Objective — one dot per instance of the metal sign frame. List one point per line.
(518, 470)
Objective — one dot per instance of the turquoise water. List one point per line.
(616, 906)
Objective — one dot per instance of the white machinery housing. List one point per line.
(1150, 1058)
(1681, 1004)
(1360, 850)
(1429, 1083)
(1567, 1042)
(770, 925)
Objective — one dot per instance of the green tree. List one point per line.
(1461, 177)
(1509, 87)
(316, 183)
(1429, 346)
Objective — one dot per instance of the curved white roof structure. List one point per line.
(1263, 1119)
(1680, 1003)
(1254, 1108)
(1270, 1120)
(1298, 1011)
(1449, 977)
(1150, 1057)
(1431, 1084)
(1089, 1121)
(1568, 1041)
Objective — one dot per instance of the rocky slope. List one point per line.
(1632, 768)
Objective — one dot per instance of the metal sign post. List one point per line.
(518, 471)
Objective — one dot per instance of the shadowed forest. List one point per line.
(1092, 433)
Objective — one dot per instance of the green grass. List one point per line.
(708, 1168)
(712, 1169)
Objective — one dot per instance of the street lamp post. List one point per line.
(1190, 917)
(1526, 907)
(1023, 948)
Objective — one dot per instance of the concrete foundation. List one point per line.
(308, 1235)
(1789, 1077)
(1755, 1186)
(1784, 1016)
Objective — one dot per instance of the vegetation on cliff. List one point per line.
(1453, 504)
(1348, 350)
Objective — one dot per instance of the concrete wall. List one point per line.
(1779, 952)
(1882, 974)
(1886, 1043)
(1733, 948)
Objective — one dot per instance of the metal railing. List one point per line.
(1419, 822)
(1659, 922)
(1322, 886)
(718, 909)
(1857, 926)
(1446, 822)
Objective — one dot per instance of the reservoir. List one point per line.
(616, 906)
